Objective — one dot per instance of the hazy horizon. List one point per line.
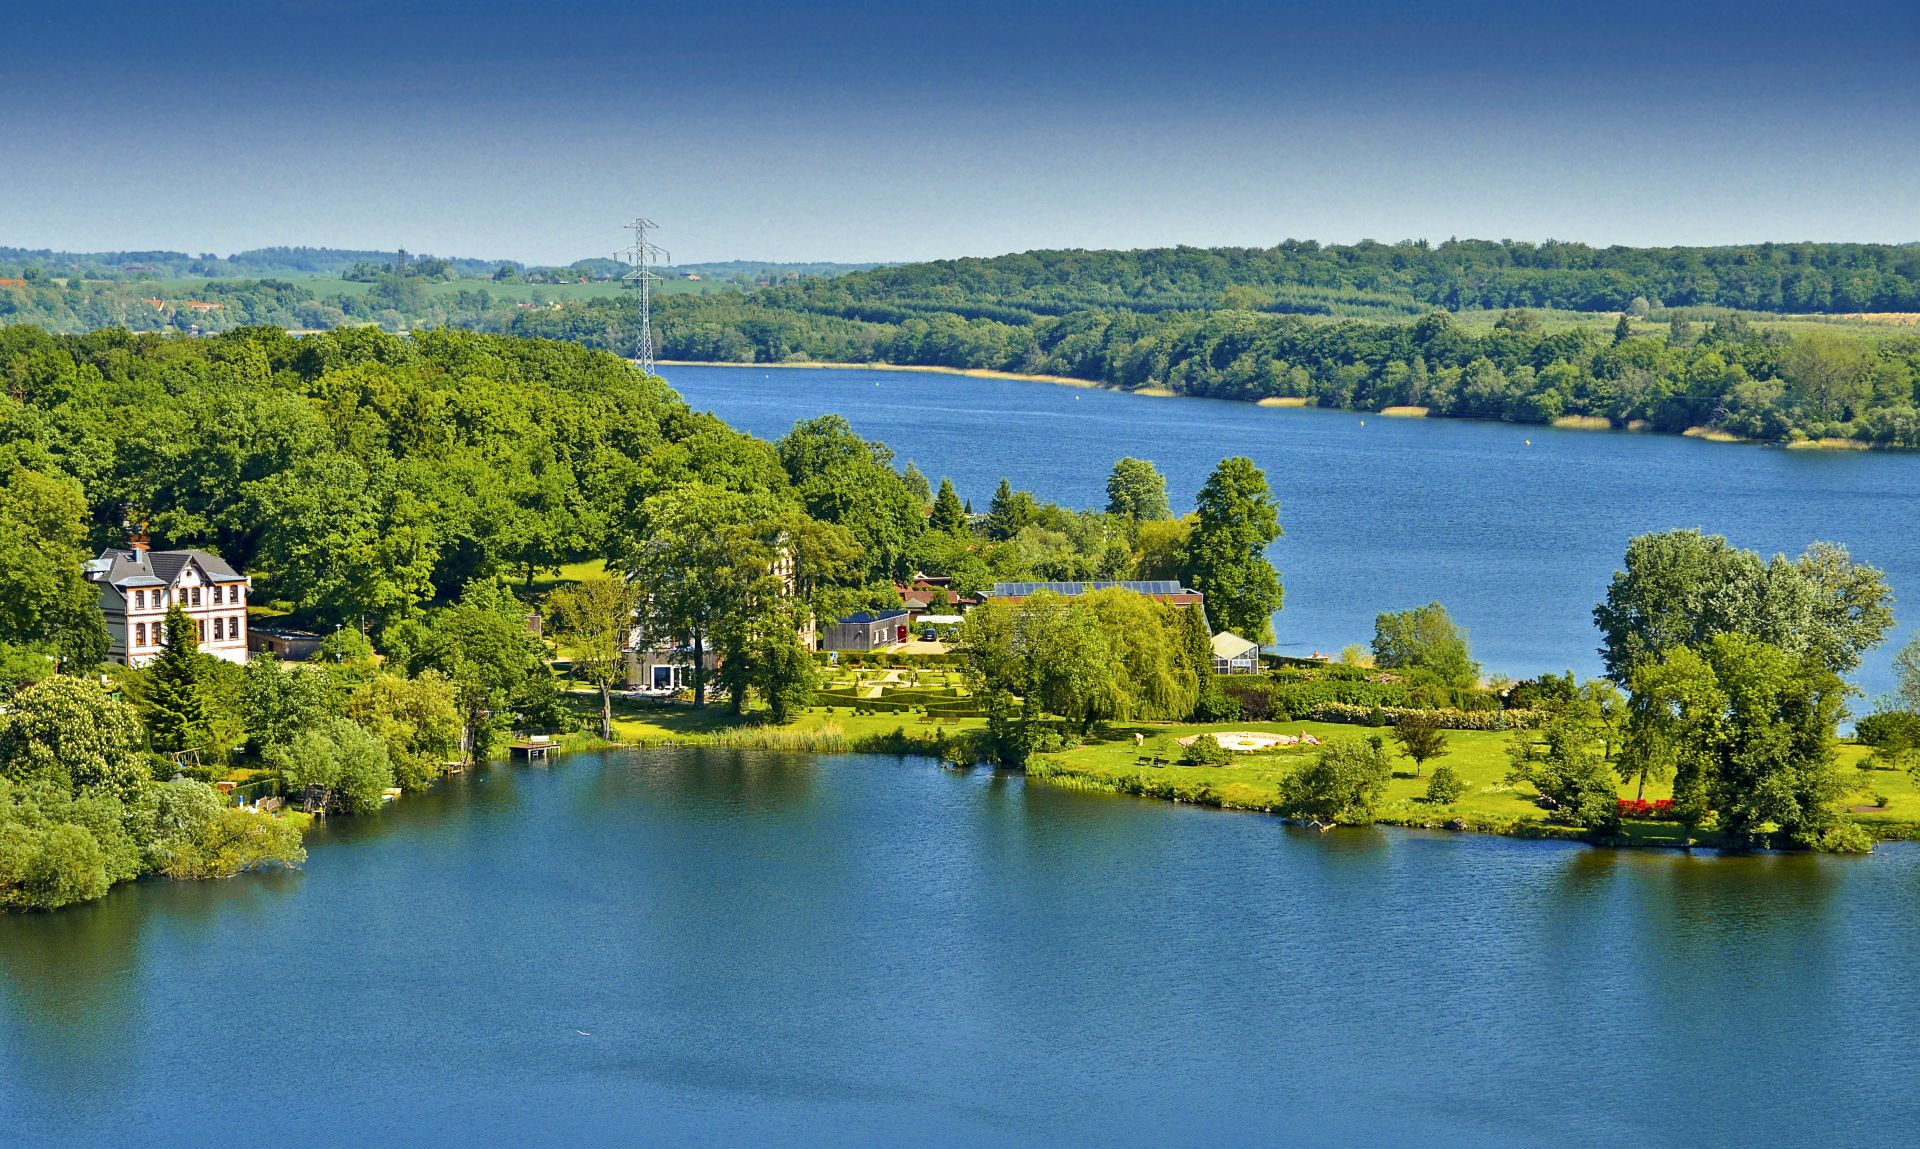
(860, 133)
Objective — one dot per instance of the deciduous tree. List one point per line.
(594, 623)
(1226, 553)
(1137, 491)
(1424, 638)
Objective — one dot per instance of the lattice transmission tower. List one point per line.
(644, 256)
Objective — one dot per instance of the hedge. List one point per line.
(1449, 718)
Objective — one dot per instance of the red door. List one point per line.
(900, 634)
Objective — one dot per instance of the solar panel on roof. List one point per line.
(1147, 586)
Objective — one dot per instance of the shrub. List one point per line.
(1342, 785)
(1843, 838)
(1205, 750)
(1658, 810)
(1445, 786)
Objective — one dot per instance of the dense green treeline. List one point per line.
(1727, 375)
(259, 261)
(1408, 278)
(391, 302)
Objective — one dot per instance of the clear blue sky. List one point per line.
(848, 131)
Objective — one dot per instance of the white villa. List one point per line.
(138, 585)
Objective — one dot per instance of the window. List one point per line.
(219, 630)
(200, 629)
(196, 596)
(233, 626)
(140, 634)
(216, 594)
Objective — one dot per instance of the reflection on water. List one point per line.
(743, 946)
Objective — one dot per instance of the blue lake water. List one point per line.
(1516, 529)
(681, 947)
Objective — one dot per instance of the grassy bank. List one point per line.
(820, 730)
(1489, 805)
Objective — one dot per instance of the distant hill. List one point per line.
(332, 262)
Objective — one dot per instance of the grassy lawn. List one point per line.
(826, 728)
(1251, 780)
(546, 580)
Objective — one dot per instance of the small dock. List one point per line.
(533, 748)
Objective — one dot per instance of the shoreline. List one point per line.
(1588, 423)
(1051, 770)
(969, 372)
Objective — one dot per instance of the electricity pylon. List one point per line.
(644, 256)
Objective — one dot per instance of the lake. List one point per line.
(1516, 529)
(707, 947)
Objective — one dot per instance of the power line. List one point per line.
(644, 256)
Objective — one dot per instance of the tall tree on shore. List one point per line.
(1748, 731)
(1137, 491)
(47, 605)
(1009, 511)
(1237, 518)
(917, 483)
(593, 620)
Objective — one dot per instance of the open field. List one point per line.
(1886, 325)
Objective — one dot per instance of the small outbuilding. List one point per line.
(284, 642)
(866, 630)
(1235, 655)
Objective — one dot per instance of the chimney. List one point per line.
(137, 542)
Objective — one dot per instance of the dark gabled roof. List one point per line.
(156, 568)
(873, 616)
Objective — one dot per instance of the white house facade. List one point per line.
(137, 586)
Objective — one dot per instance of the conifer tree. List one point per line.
(948, 514)
(176, 712)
